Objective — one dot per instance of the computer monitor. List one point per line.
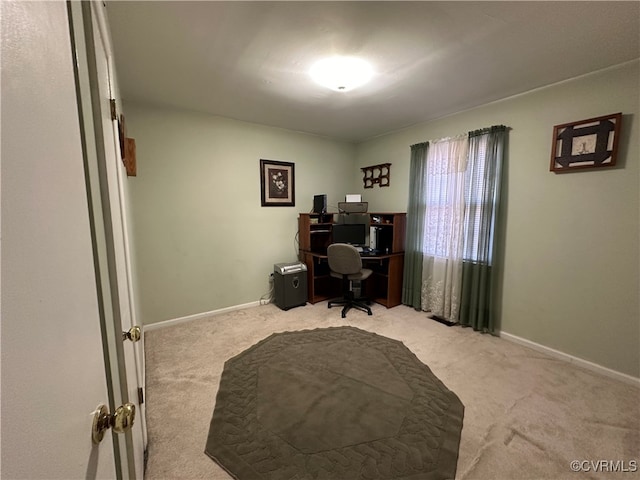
(352, 233)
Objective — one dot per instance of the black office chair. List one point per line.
(345, 263)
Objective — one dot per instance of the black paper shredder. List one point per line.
(290, 284)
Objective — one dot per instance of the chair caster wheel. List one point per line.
(370, 313)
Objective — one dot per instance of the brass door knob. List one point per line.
(121, 421)
(134, 334)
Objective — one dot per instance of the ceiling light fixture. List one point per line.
(341, 73)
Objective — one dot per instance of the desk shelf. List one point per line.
(314, 235)
(320, 284)
(386, 285)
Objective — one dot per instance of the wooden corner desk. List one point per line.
(384, 286)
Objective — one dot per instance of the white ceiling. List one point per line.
(249, 60)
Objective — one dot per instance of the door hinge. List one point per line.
(114, 114)
(140, 396)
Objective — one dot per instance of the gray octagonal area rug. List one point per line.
(337, 404)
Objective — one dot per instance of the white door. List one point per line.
(109, 178)
(65, 288)
(53, 367)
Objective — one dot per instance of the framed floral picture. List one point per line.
(585, 144)
(277, 183)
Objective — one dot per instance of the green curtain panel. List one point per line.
(412, 277)
(486, 154)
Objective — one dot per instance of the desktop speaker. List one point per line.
(320, 203)
(353, 207)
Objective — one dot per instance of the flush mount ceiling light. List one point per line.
(341, 73)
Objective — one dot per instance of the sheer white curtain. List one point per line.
(443, 234)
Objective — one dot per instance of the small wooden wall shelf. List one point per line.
(377, 175)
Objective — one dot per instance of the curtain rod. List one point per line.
(480, 131)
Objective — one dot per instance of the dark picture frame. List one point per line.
(277, 183)
(586, 144)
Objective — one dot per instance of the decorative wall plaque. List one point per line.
(588, 143)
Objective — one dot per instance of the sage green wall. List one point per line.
(571, 243)
(202, 239)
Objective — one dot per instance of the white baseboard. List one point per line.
(189, 318)
(594, 367)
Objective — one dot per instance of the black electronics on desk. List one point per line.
(320, 203)
(380, 239)
(352, 233)
(320, 206)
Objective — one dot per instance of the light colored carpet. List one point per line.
(527, 415)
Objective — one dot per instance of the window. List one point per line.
(459, 199)
(473, 204)
(444, 197)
